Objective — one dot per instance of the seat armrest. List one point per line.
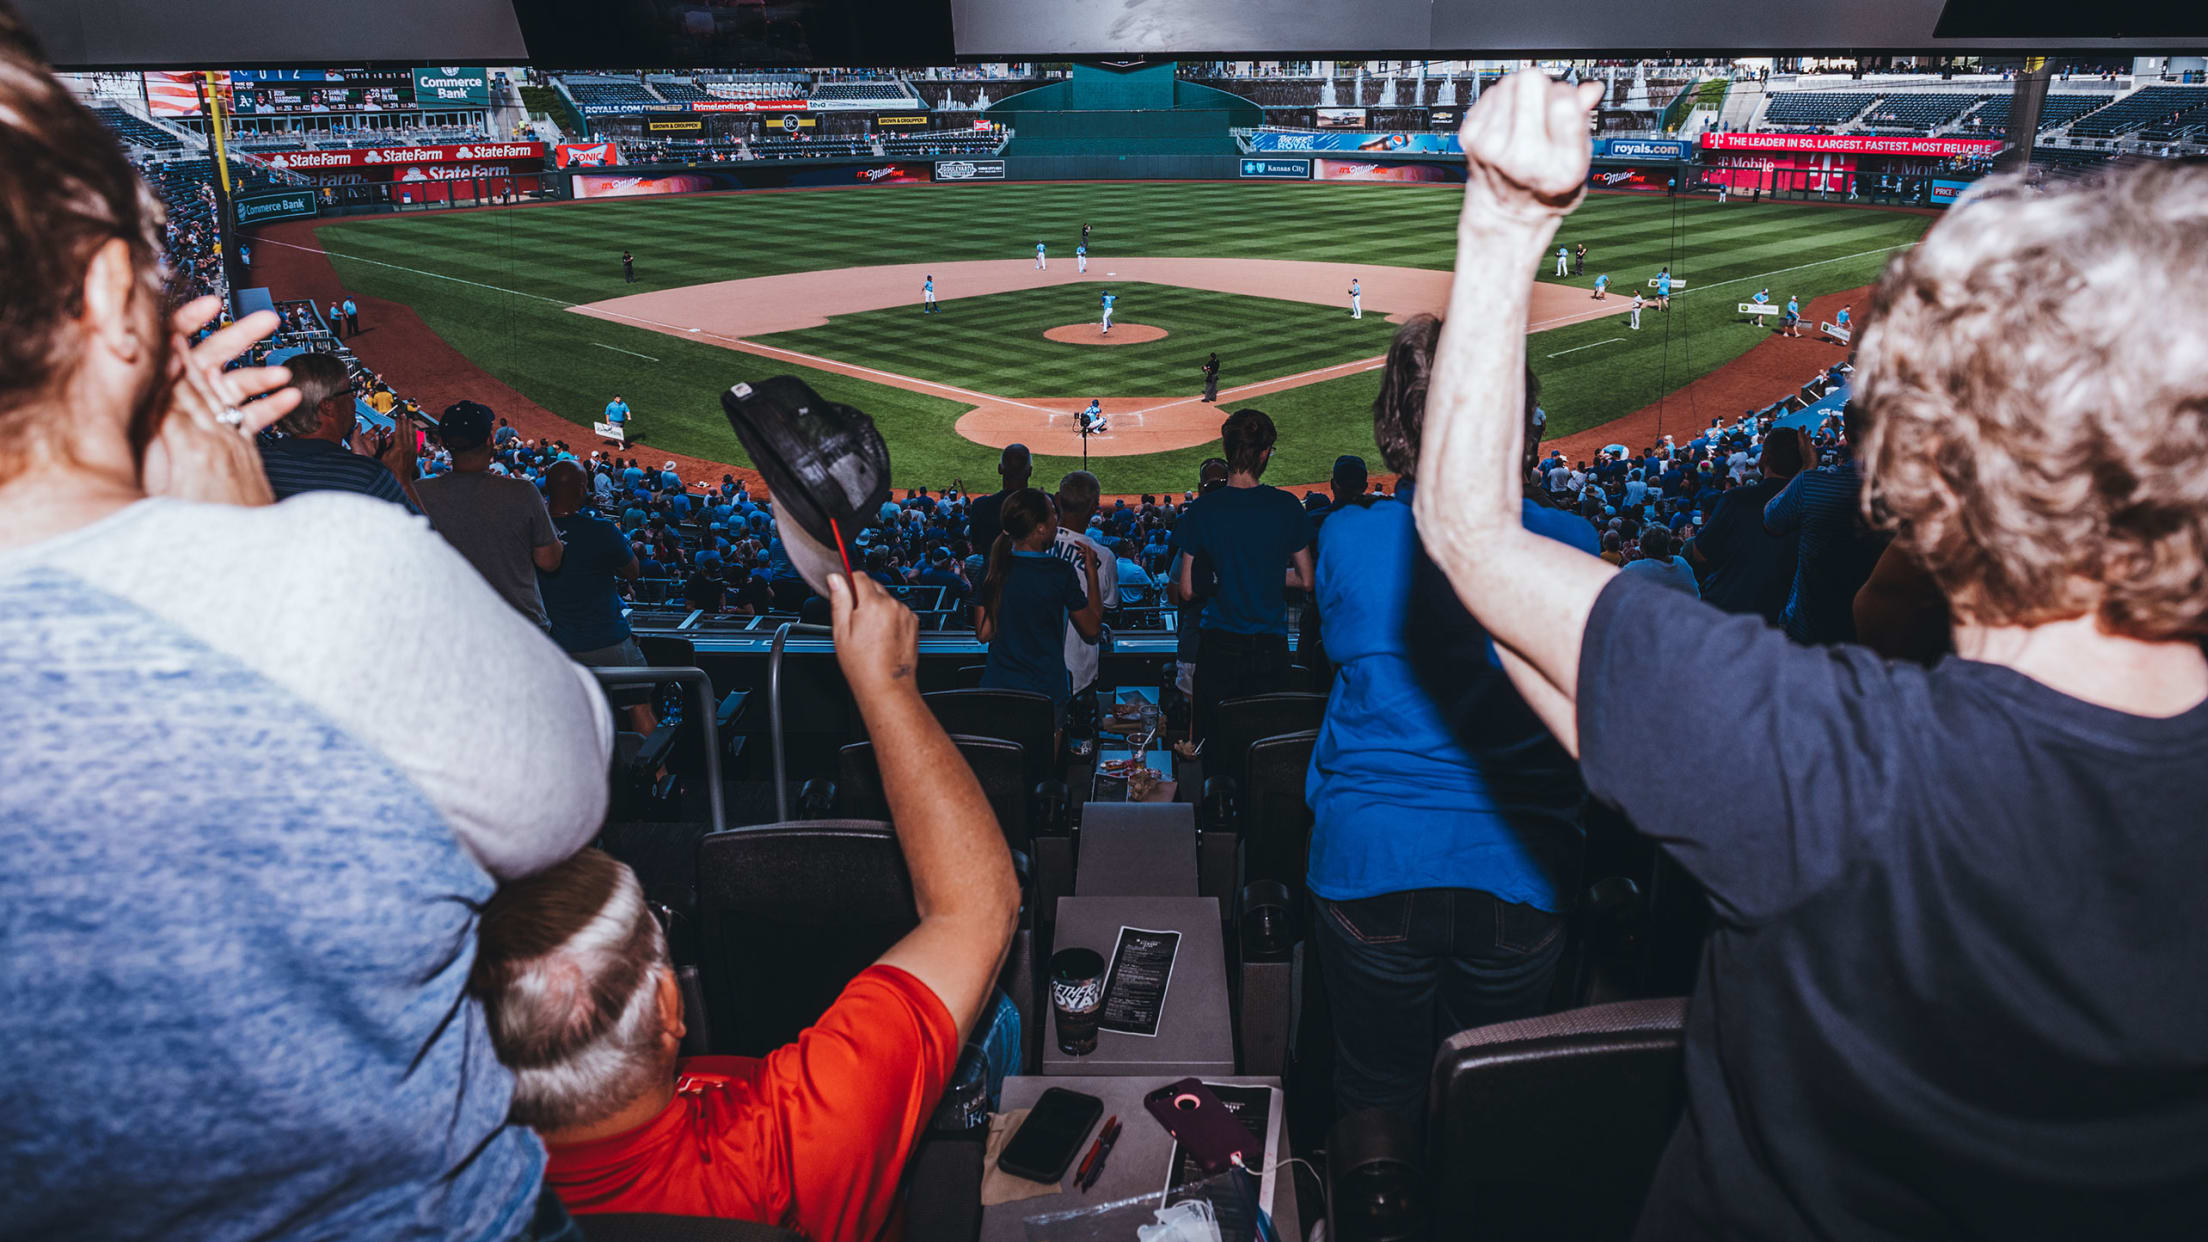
(1048, 805)
(943, 1185)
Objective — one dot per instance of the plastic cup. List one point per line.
(1077, 997)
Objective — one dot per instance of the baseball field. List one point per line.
(826, 285)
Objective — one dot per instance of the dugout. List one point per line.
(1102, 123)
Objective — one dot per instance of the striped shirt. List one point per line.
(1834, 557)
(302, 464)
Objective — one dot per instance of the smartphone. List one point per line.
(1051, 1136)
(1202, 1125)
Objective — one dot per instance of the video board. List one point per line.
(266, 92)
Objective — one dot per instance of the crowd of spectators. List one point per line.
(302, 939)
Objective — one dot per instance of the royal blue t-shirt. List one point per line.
(1247, 535)
(1029, 651)
(1430, 771)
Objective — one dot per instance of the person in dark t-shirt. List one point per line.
(1258, 542)
(1027, 599)
(1746, 568)
(580, 598)
(983, 519)
(1954, 984)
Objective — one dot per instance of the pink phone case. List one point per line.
(1194, 1116)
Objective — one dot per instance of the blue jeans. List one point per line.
(1405, 971)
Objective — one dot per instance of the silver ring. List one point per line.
(231, 416)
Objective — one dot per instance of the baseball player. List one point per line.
(1040, 265)
(1663, 289)
(1109, 299)
(1356, 299)
(1563, 260)
(927, 296)
(1602, 286)
(1092, 419)
(1721, 188)
(1081, 257)
(1793, 324)
(1636, 325)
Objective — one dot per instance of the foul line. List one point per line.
(1576, 348)
(1842, 258)
(630, 352)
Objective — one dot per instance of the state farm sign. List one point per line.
(375, 157)
(1850, 144)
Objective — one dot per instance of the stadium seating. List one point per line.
(1552, 1127)
(1917, 112)
(138, 133)
(880, 94)
(1815, 107)
(610, 94)
(2175, 106)
(2056, 111)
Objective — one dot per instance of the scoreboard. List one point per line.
(269, 92)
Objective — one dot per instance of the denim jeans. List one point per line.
(1233, 666)
(1405, 971)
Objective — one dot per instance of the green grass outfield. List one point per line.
(496, 284)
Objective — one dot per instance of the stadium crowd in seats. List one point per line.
(304, 937)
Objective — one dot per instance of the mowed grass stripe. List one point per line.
(571, 254)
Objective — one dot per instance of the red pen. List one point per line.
(1093, 1167)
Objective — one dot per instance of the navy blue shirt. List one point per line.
(298, 464)
(1248, 535)
(1953, 990)
(579, 596)
(1029, 651)
(1750, 570)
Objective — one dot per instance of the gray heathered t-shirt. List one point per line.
(262, 765)
(496, 522)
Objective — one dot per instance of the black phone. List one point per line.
(1051, 1136)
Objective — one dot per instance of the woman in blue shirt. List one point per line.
(1446, 838)
(1027, 599)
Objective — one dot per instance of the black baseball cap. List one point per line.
(466, 424)
(1349, 468)
(824, 463)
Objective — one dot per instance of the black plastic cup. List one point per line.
(1077, 996)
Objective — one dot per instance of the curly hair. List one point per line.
(1399, 411)
(2036, 389)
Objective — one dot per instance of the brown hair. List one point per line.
(1024, 511)
(1399, 411)
(67, 192)
(1247, 435)
(2037, 405)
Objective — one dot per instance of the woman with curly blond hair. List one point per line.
(1955, 986)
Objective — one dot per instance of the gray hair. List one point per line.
(567, 967)
(1078, 493)
(318, 377)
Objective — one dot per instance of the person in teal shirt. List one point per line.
(1027, 599)
(1446, 834)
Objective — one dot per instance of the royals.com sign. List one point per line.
(453, 85)
(1298, 170)
(262, 208)
(1645, 149)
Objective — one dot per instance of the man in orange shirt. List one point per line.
(573, 973)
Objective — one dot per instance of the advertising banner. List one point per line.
(674, 127)
(1407, 143)
(452, 85)
(1630, 177)
(901, 120)
(1850, 144)
(629, 109)
(611, 431)
(586, 154)
(1643, 148)
(748, 105)
(1445, 117)
(263, 208)
(1294, 170)
(793, 123)
(1944, 193)
(1341, 118)
(1393, 170)
(899, 173)
(744, 177)
(969, 170)
(378, 157)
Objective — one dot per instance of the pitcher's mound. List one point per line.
(1090, 334)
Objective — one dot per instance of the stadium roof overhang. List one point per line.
(581, 33)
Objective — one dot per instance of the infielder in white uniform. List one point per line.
(1081, 258)
(1356, 299)
(1039, 264)
(1562, 258)
(1636, 311)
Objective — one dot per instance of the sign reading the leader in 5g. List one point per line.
(1297, 170)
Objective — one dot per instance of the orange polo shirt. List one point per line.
(813, 1137)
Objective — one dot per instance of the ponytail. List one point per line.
(1000, 564)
